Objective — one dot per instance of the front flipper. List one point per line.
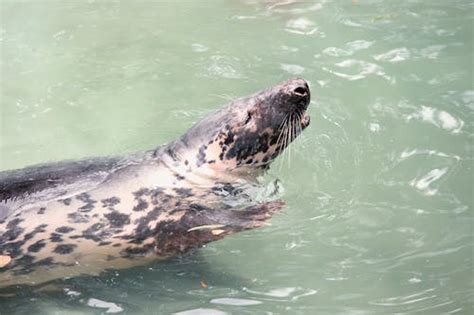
(201, 226)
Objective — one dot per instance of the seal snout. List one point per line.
(301, 96)
(299, 90)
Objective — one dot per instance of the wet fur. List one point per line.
(71, 218)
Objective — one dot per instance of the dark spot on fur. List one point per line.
(87, 207)
(39, 229)
(184, 192)
(142, 205)
(230, 138)
(141, 192)
(201, 156)
(76, 217)
(131, 252)
(89, 203)
(248, 145)
(64, 249)
(156, 195)
(64, 229)
(96, 233)
(104, 243)
(143, 231)
(110, 203)
(117, 219)
(41, 210)
(45, 262)
(66, 201)
(36, 247)
(179, 177)
(55, 238)
(25, 261)
(13, 231)
(13, 223)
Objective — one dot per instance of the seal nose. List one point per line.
(300, 89)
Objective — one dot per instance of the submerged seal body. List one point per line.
(82, 217)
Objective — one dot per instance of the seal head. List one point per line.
(250, 132)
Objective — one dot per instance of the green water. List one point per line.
(379, 192)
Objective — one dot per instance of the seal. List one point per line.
(82, 217)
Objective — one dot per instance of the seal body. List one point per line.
(82, 217)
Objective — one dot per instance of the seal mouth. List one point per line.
(305, 120)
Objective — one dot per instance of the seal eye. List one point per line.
(247, 120)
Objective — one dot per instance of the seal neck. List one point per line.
(183, 162)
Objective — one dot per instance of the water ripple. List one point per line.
(235, 301)
(225, 67)
(439, 118)
(292, 69)
(394, 55)
(108, 306)
(423, 184)
(201, 311)
(408, 299)
(284, 293)
(303, 26)
(348, 49)
(360, 70)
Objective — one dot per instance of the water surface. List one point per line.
(379, 215)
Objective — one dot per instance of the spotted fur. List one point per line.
(71, 218)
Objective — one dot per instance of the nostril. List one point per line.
(302, 91)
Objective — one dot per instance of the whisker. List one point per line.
(290, 139)
(280, 140)
(280, 149)
(298, 125)
(284, 121)
(294, 127)
(285, 142)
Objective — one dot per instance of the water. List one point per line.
(379, 215)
